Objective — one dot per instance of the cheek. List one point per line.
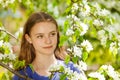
(55, 40)
(37, 43)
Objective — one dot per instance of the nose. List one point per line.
(48, 40)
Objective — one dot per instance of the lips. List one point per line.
(48, 47)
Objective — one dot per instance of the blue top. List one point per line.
(33, 75)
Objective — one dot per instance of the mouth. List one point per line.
(47, 47)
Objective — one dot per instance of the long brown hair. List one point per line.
(27, 51)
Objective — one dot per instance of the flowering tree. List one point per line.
(88, 23)
(87, 27)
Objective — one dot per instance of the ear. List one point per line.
(27, 37)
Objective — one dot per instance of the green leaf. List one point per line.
(67, 11)
(63, 39)
(63, 76)
(31, 66)
(67, 59)
(61, 68)
(19, 64)
(1, 24)
(75, 59)
(66, 26)
(68, 2)
(74, 38)
(2, 50)
(5, 76)
(84, 56)
(108, 43)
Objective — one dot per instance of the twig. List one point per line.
(9, 33)
(14, 72)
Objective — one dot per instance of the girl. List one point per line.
(39, 47)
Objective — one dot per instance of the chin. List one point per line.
(49, 52)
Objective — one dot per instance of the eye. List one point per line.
(40, 36)
(53, 34)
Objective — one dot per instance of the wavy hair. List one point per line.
(27, 51)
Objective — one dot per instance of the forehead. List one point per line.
(43, 27)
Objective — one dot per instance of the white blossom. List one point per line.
(111, 72)
(118, 38)
(1, 56)
(98, 22)
(97, 6)
(68, 71)
(102, 36)
(70, 74)
(104, 67)
(1, 43)
(77, 51)
(82, 77)
(75, 7)
(103, 41)
(74, 75)
(111, 30)
(75, 18)
(84, 1)
(11, 56)
(103, 12)
(99, 11)
(85, 10)
(12, 1)
(119, 44)
(55, 10)
(55, 67)
(50, 7)
(82, 65)
(97, 75)
(7, 44)
(69, 49)
(69, 32)
(17, 34)
(113, 47)
(84, 28)
(87, 45)
(6, 3)
(117, 27)
(4, 56)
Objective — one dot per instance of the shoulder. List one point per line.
(70, 65)
(27, 71)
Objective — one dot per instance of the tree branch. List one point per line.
(14, 72)
(9, 33)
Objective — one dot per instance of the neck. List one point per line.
(42, 63)
(44, 60)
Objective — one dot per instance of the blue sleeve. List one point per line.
(25, 72)
(15, 77)
(72, 67)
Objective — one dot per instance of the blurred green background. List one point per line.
(14, 14)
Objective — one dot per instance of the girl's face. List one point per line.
(43, 37)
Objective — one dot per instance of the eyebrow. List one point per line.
(43, 33)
